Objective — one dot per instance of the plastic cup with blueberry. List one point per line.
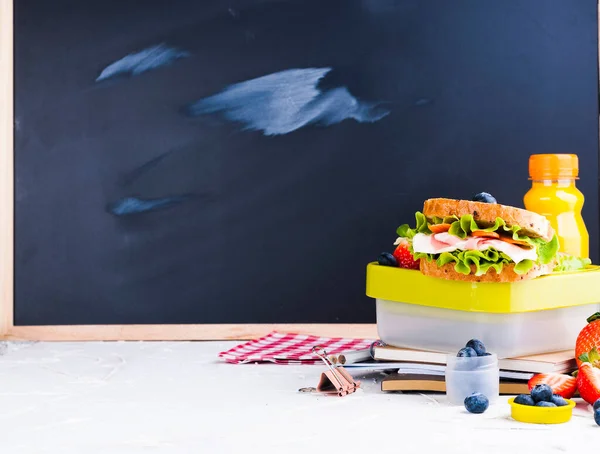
(471, 371)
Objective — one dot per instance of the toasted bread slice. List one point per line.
(507, 275)
(485, 214)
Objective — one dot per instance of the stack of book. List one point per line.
(424, 371)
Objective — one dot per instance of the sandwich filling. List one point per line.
(480, 247)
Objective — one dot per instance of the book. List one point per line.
(437, 383)
(433, 369)
(438, 369)
(559, 362)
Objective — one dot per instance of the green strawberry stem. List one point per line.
(592, 357)
(593, 317)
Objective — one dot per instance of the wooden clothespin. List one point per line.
(335, 380)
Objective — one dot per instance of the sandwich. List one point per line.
(481, 242)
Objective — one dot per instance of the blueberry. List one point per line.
(596, 405)
(524, 399)
(559, 401)
(478, 346)
(597, 416)
(484, 197)
(466, 352)
(542, 393)
(545, 404)
(387, 259)
(476, 403)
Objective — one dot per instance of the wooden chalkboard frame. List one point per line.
(100, 332)
(6, 167)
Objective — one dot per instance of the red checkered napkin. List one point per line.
(281, 348)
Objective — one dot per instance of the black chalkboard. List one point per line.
(182, 161)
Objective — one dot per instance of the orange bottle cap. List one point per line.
(553, 167)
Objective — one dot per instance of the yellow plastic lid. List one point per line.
(541, 415)
(552, 291)
(553, 167)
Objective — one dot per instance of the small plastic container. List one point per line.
(541, 415)
(468, 375)
(541, 315)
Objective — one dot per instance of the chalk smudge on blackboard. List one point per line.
(135, 205)
(145, 60)
(285, 101)
(145, 167)
(423, 102)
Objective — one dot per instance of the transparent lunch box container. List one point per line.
(541, 315)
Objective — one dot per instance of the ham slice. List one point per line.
(445, 242)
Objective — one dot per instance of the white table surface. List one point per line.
(177, 397)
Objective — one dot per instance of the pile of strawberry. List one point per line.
(586, 379)
(402, 256)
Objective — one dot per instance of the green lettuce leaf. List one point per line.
(524, 266)
(546, 250)
(482, 260)
(467, 225)
(567, 262)
(404, 231)
(444, 220)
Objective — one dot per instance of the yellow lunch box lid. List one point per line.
(541, 415)
(552, 291)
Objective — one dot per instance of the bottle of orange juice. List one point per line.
(554, 194)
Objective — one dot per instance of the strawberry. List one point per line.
(404, 257)
(588, 338)
(561, 384)
(588, 383)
